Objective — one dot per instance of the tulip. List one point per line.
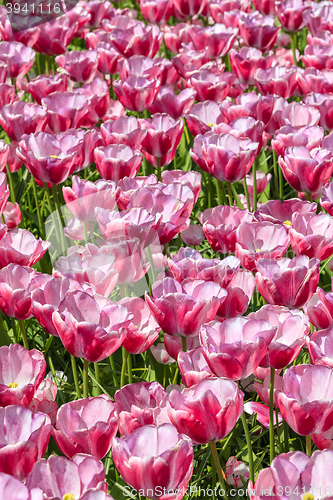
(307, 170)
(306, 400)
(81, 66)
(190, 178)
(280, 80)
(261, 411)
(215, 402)
(236, 472)
(289, 136)
(98, 94)
(19, 246)
(21, 118)
(43, 85)
(157, 11)
(16, 285)
(211, 86)
(258, 32)
(220, 228)
(320, 309)
(277, 212)
(85, 196)
(319, 347)
(166, 101)
(12, 215)
(124, 130)
(312, 235)
(291, 14)
(217, 40)
(183, 10)
(169, 451)
(50, 158)
(55, 36)
(287, 282)
(246, 62)
(21, 372)
(98, 11)
(257, 240)
(234, 349)
(86, 426)
(90, 328)
(24, 439)
(174, 345)
(290, 336)
(136, 93)
(240, 291)
(18, 58)
(263, 390)
(4, 153)
(65, 110)
(128, 185)
(138, 40)
(44, 400)
(59, 477)
(193, 366)
(299, 115)
(12, 489)
(108, 58)
(295, 470)
(160, 354)
(202, 116)
(180, 310)
(193, 235)
(265, 7)
(117, 161)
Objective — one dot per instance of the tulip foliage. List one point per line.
(166, 245)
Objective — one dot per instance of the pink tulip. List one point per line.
(202, 116)
(307, 411)
(294, 470)
(258, 240)
(220, 228)
(319, 347)
(180, 310)
(24, 439)
(320, 309)
(81, 66)
(65, 110)
(50, 158)
(44, 400)
(18, 58)
(139, 404)
(156, 11)
(236, 472)
(290, 336)
(166, 101)
(160, 354)
(193, 235)
(19, 246)
(99, 103)
(174, 345)
(54, 37)
(277, 212)
(85, 196)
(258, 32)
(307, 170)
(265, 7)
(211, 86)
(124, 130)
(136, 93)
(21, 372)
(246, 62)
(128, 185)
(21, 118)
(289, 136)
(190, 178)
(291, 14)
(280, 80)
(86, 426)
(44, 85)
(4, 153)
(139, 455)
(183, 10)
(12, 215)
(193, 366)
(215, 402)
(263, 390)
(12, 489)
(16, 286)
(312, 235)
(217, 40)
(138, 40)
(117, 161)
(287, 282)
(240, 291)
(59, 477)
(327, 201)
(108, 57)
(235, 348)
(90, 328)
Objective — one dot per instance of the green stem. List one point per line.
(281, 185)
(276, 174)
(62, 222)
(48, 197)
(159, 170)
(98, 379)
(224, 196)
(209, 191)
(129, 368)
(219, 194)
(255, 194)
(249, 445)
(85, 378)
(231, 200)
(236, 198)
(47, 69)
(247, 196)
(75, 376)
(113, 368)
(308, 445)
(184, 344)
(152, 266)
(293, 43)
(40, 224)
(11, 185)
(23, 333)
(271, 417)
(123, 368)
(286, 436)
(219, 470)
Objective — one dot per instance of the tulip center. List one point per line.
(209, 124)
(258, 250)
(287, 222)
(70, 496)
(12, 385)
(55, 156)
(308, 496)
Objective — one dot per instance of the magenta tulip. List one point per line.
(312, 235)
(81, 66)
(117, 161)
(193, 366)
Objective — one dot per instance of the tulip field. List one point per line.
(166, 249)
